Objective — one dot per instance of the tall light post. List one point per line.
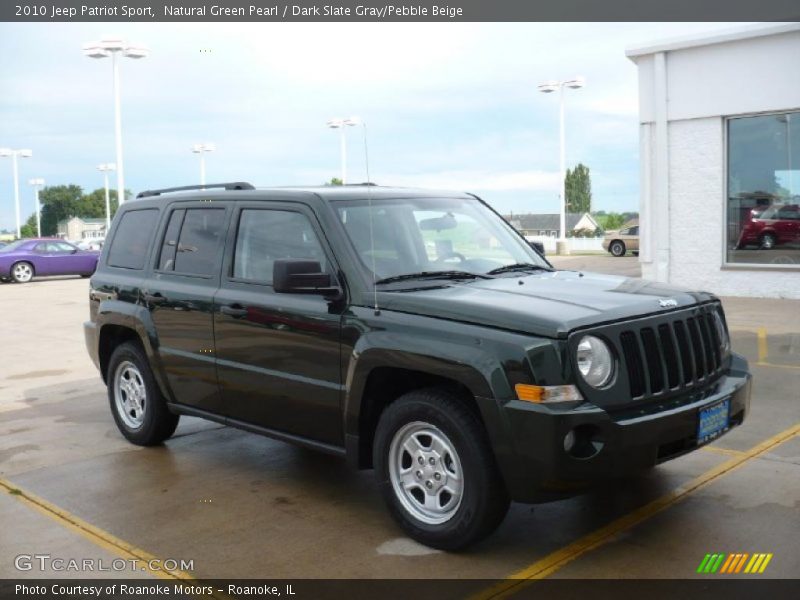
(104, 169)
(15, 154)
(546, 88)
(103, 49)
(202, 149)
(341, 125)
(37, 183)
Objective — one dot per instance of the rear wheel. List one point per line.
(22, 272)
(137, 404)
(617, 248)
(436, 470)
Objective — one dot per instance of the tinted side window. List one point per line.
(197, 252)
(130, 244)
(266, 235)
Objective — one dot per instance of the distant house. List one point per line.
(76, 229)
(548, 224)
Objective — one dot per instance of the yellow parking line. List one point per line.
(553, 562)
(723, 451)
(766, 364)
(88, 531)
(762, 345)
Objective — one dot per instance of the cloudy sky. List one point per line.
(450, 105)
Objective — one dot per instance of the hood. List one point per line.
(549, 304)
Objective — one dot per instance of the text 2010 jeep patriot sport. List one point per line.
(412, 332)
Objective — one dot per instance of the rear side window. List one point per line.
(192, 241)
(131, 241)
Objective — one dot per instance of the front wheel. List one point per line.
(436, 470)
(137, 404)
(768, 241)
(617, 248)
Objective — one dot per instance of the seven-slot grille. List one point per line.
(675, 355)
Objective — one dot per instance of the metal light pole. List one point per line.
(341, 124)
(103, 49)
(105, 168)
(201, 149)
(547, 88)
(37, 184)
(14, 154)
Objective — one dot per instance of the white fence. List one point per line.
(575, 244)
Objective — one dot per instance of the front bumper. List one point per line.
(537, 467)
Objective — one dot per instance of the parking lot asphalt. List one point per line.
(240, 505)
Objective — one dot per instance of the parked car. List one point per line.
(21, 260)
(413, 332)
(618, 243)
(90, 244)
(774, 226)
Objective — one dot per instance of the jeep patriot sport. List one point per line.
(413, 332)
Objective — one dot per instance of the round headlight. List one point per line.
(722, 333)
(595, 361)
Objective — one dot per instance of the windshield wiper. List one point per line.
(518, 267)
(434, 275)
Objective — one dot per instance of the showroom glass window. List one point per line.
(763, 211)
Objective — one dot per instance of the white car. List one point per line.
(91, 244)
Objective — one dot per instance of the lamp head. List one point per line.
(335, 123)
(549, 86)
(36, 181)
(576, 83)
(136, 52)
(25, 153)
(5, 152)
(352, 121)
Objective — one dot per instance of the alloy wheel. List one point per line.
(130, 394)
(425, 473)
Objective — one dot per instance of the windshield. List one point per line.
(424, 235)
(12, 246)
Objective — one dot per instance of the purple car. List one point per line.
(21, 260)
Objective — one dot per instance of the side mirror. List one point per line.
(538, 247)
(301, 276)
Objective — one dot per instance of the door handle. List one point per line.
(154, 298)
(234, 310)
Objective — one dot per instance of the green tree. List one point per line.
(59, 202)
(28, 230)
(609, 221)
(93, 205)
(578, 184)
(335, 181)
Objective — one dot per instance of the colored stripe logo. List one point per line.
(740, 562)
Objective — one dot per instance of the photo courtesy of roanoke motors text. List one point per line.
(435, 300)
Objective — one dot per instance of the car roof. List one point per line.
(324, 192)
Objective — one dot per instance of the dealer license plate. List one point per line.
(713, 421)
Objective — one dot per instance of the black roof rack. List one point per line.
(235, 185)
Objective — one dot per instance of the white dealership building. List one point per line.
(720, 160)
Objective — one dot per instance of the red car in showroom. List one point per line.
(775, 226)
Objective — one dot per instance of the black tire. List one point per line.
(157, 423)
(484, 499)
(768, 241)
(18, 277)
(617, 248)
